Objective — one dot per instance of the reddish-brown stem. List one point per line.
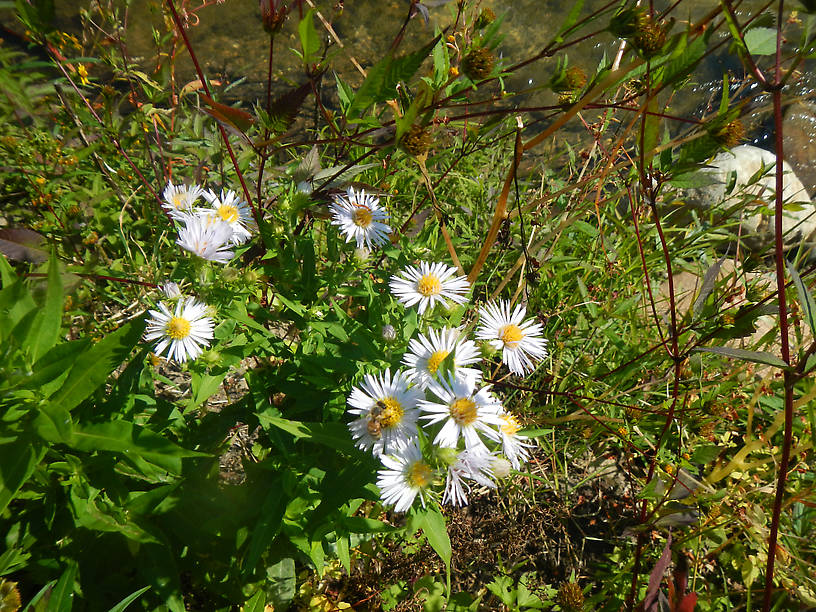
(221, 129)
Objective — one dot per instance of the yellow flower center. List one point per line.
(178, 200)
(463, 410)
(435, 360)
(511, 335)
(362, 217)
(429, 285)
(228, 213)
(178, 328)
(419, 475)
(392, 413)
(510, 425)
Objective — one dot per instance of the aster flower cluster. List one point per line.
(437, 429)
(360, 218)
(182, 326)
(208, 231)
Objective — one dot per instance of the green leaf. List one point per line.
(122, 605)
(744, 355)
(281, 582)
(805, 298)
(333, 435)
(93, 367)
(61, 598)
(761, 41)
(18, 459)
(132, 441)
(309, 39)
(265, 531)
(45, 331)
(385, 75)
(432, 522)
(256, 603)
(571, 20)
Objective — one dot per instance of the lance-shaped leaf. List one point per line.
(805, 298)
(283, 112)
(744, 355)
(383, 78)
(23, 245)
(235, 119)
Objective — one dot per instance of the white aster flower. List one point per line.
(514, 446)
(360, 217)
(183, 332)
(230, 209)
(387, 412)
(180, 199)
(171, 290)
(470, 465)
(407, 475)
(426, 354)
(465, 411)
(206, 238)
(429, 284)
(520, 340)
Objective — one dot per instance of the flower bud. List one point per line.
(478, 64)
(501, 467)
(389, 334)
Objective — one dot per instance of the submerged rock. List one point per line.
(740, 184)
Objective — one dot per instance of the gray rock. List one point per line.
(741, 183)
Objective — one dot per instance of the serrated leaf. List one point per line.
(745, 355)
(383, 78)
(805, 298)
(761, 41)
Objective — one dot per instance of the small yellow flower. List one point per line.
(454, 71)
(451, 38)
(83, 74)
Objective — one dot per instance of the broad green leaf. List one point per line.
(744, 355)
(203, 387)
(333, 435)
(433, 525)
(53, 423)
(18, 459)
(132, 441)
(761, 41)
(122, 605)
(94, 366)
(265, 530)
(385, 75)
(805, 298)
(61, 598)
(343, 553)
(309, 39)
(256, 603)
(45, 331)
(282, 582)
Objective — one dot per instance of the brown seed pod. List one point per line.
(570, 597)
(478, 64)
(649, 37)
(416, 141)
(730, 134)
(485, 18)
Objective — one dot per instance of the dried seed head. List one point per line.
(485, 18)
(570, 80)
(416, 141)
(570, 597)
(649, 37)
(730, 134)
(9, 596)
(625, 22)
(273, 14)
(478, 64)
